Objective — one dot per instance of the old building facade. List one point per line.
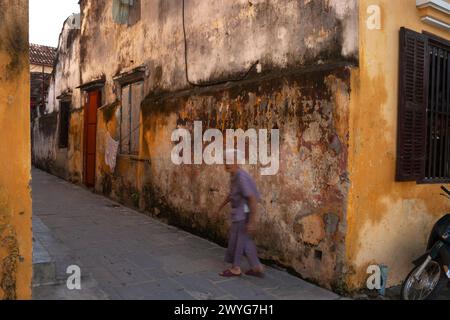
(389, 216)
(15, 164)
(41, 68)
(133, 72)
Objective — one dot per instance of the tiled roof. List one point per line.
(42, 55)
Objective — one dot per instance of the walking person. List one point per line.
(244, 198)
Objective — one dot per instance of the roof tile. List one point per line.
(42, 55)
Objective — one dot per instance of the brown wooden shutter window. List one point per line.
(413, 97)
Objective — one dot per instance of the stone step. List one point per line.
(44, 267)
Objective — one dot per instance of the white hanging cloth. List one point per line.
(112, 146)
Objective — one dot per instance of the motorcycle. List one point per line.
(431, 273)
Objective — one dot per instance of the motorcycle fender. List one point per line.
(422, 259)
(434, 252)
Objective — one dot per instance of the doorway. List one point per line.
(92, 103)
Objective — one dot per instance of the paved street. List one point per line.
(124, 254)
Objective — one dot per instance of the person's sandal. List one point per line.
(229, 274)
(256, 274)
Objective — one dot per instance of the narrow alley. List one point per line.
(124, 254)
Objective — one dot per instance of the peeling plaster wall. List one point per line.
(301, 217)
(389, 222)
(47, 155)
(15, 199)
(303, 226)
(302, 87)
(224, 38)
(303, 212)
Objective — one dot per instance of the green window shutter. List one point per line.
(121, 11)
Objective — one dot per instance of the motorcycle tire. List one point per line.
(442, 283)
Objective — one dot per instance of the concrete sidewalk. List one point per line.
(124, 254)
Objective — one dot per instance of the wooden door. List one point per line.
(90, 133)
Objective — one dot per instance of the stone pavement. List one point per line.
(395, 293)
(124, 254)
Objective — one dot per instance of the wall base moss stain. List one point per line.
(10, 262)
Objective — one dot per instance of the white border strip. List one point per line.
(440, 5)
(436, 23)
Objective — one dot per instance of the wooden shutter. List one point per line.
(135, 12)
(125, 122)
(136, 100)
(64, 120)
(121, 11)
(412, 113)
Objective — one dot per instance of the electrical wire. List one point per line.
(214, 83)
(243, 77)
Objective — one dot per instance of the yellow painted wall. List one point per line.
(15, 199)
(388, 222)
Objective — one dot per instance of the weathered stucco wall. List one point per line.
(224, 39)
(15, 199)
(64, 162)
(311, 203)
(388, 222)
(302, 221)
(302, 86)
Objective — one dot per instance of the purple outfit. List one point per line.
(240, 243)
(242, 187)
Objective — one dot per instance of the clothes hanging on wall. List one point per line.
(112, 147)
